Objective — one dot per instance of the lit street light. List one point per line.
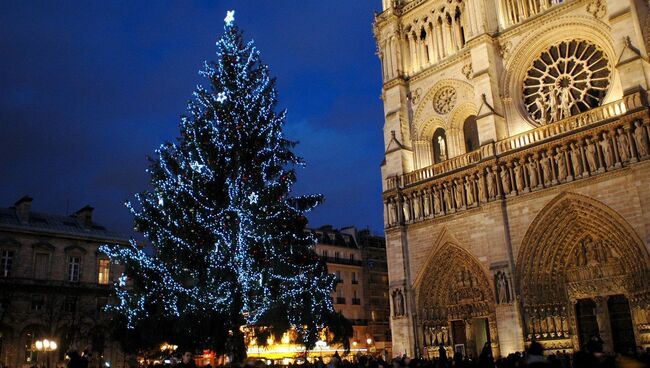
(46, 346)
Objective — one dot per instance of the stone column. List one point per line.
(604, 327)
(440, 41)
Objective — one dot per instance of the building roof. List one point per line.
(327, 235)
(56, 225)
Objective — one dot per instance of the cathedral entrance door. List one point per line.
(586, 318)
(458, 333)
(621, 322)
(481, 334)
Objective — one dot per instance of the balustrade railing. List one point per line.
(599, 114)
(523, 140)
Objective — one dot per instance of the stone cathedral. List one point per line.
(516, 176)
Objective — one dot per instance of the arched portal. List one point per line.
(455, 303)
(577, 258)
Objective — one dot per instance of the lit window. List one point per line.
(6, 259)
(103, 274)
(74, 268)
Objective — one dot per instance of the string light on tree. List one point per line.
(228, 238)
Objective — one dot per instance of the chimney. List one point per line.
(85, 216)
(23, 207)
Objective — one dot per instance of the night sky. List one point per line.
(88, 89)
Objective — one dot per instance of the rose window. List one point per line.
(444, 100)
(567, 79)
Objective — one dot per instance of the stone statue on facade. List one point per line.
(406, 207)
(416, 206)
(505, 180)
(576, 160)
(608, 153)
(565, 102)
(442, 146)
(539, 102)
(491, 183)
(640, 139)
(546, 168)
(532, 172)
(502, 284)
(591, 154)
(447, 196)
(481, 189)
(437, 208)
(392, 213)
(555, 108)
(427, 204)
(469, 191)
(623, 145)
(398, 303)
(519, 177)
(459, 195)
(561, 164)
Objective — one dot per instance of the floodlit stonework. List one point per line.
(516, 176)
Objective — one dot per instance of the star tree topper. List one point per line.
(230, 17)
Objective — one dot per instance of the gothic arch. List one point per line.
(453, 288)
(450, 264)
(528, 49)
(550, 245)
(578, 248)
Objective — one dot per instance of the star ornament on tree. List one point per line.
(230, 17)
(221, 97)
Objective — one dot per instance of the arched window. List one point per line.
(440, 152)
(470, 131)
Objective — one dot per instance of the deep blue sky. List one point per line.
(88, 88)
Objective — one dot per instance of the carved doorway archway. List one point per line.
(455, 303)
(578, 251)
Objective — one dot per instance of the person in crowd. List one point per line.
(187, 361)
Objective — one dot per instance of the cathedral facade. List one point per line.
(516, 176)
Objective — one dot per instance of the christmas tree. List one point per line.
(229, 241)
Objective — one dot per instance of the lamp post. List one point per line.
(46, 346)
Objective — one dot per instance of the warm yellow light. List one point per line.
(39, 345)
(285, 338)
(269, 341)
(369, 341)
(354, 343)
(53, 345)
(46, 344)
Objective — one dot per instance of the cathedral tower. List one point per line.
(515, 177)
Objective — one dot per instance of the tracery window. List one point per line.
(568, 78)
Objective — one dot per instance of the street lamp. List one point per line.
(46, 346)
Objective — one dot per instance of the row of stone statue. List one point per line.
(549, 166)
(436, 335)
(455, 311)
(547, 322)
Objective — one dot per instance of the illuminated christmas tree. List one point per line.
(228, 239)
